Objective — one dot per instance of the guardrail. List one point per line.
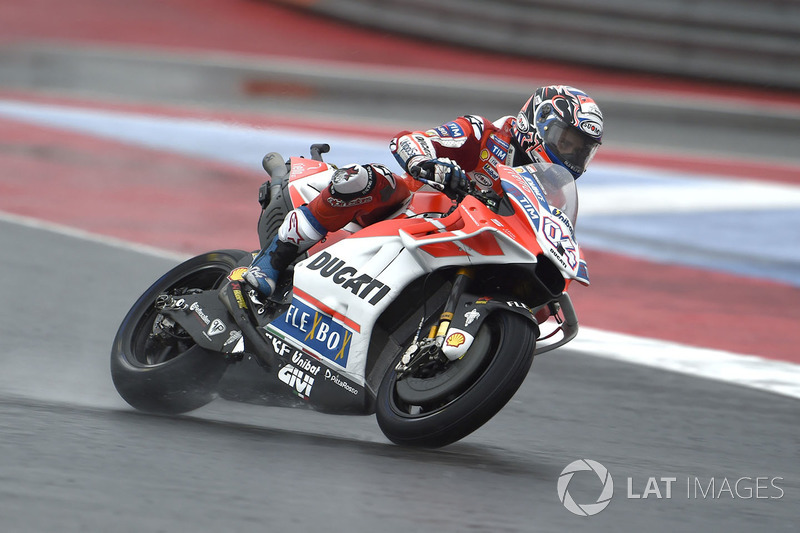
(741, 41)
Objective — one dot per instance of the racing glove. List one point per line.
(442, 171)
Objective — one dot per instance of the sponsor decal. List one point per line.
(483, 181)
(293, 233)
(497, 147)
(524, 202)
(456, 343)
(559, 214)
(483, 300)
(300, 374)
(424, 145)
(471, 316)
(519, 305)
(592, 128)
(302, 167)
(237, 274)
(336, 202)
(200, 313)
(491, 170)
(332, 376)
(237, 293)
(344, 174)
(316, 331)
(500, 142)
(304, 364)
(454, 340)
(532, 183)
(233, 337)
(361, 285)
(522, 123)
(407, 149)
(484, 154)
(383, 170)
(452, 130)
(477, 125)
(300, 382)
(285, 350)
(216, 327)
(589, 106)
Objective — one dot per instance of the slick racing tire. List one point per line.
(170, 374)
(434, 408)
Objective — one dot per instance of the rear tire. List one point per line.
(170, 375)
(435, 411)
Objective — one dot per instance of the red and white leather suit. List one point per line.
(368, 193)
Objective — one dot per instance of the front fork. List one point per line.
(430, 348)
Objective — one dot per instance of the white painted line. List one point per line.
(637, 193)
(231, 143)
(651, 193)
(779, 377)
(606, 189)
(68, 231)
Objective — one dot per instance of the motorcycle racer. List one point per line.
(558, 124)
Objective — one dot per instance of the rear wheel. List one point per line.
(439, 405)
(156, 367)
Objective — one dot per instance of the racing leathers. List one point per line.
(368, 193)
(475, 144)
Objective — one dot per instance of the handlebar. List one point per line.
(458, 184)
(318, 149)
(459, 187)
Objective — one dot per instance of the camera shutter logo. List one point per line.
(603, 500)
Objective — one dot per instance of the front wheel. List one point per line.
(436, 407)
(158, 368)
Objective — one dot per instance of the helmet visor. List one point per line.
(573, 148)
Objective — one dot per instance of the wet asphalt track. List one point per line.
(74, 457)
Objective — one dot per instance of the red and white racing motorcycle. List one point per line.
(429, 319)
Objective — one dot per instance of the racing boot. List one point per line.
(299, 231)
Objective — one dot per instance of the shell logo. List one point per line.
(484, 154)
(455, 340)
(237, 274)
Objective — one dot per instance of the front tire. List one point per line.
(437, 410)
(170, 374)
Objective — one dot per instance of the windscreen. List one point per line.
(556, 184)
